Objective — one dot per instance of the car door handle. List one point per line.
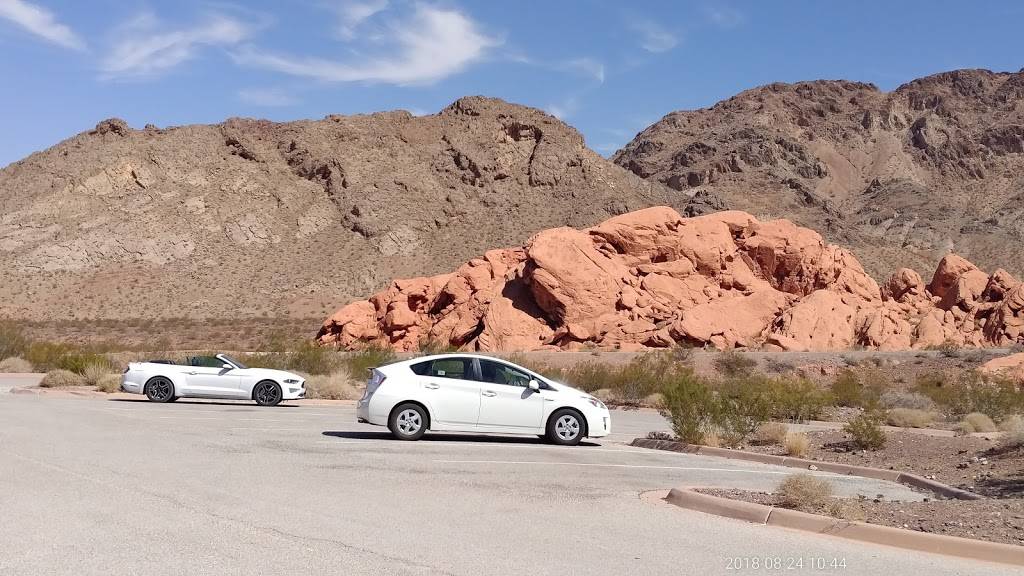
(431, 386)
(489, 393)
(193, 373)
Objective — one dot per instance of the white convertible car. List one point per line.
(471, 393)
(217, 376)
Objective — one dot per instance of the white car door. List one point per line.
(453, 395)
(506, 401)
(210, 378)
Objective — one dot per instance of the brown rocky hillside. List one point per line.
(900, 178)
(251, 218)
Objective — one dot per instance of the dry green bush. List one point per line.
(805, 493)
(866, 430)
(796, 444)
(770, 433)
(733, 364)
(93, 373)
(1011, 423)
(970, 391)
(910, 418)
(914, 400)
(109, 383)
(630, 383)
(15, 365)
(60, 378)
(336, 386)
(791, 398)
(690, 405)
(977, 422)
(858, 390)
(1013, 433)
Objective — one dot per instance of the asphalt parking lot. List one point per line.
(92, 486)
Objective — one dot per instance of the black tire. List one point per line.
(160, 389)
(267, 393)
(408, 422)
(566, 427)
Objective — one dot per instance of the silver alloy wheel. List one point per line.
(409, 422)
(160, 390)
(567, 427)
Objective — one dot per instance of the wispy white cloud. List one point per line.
(565, 109)
(41, 22)
(352, 13)
(268, 97)
(587, 67)
(431, 44)
(145, 48)
(723, 15)
(653, 37)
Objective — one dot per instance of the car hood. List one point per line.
(277, 375)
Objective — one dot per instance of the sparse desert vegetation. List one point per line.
(61, 378)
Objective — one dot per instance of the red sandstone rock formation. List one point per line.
(653, 278)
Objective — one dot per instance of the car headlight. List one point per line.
(292, 381)
(596, 403)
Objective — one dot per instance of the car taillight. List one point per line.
(376, 379)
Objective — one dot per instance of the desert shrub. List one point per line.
(690, 405)
(771, 433)
(977, 422)
(13, 342)
(1012, 422)
(606, 395)
(15, 365)
(948, 349)
(733, 364)
(805, 493)
(741, 406)
(858, 390)
(359, 362)
(109, 383)
(630, 383)
(93, 373)
(913, 400)
(335, 386)
(296, 354)
(969, 391)
(428, 345)
(1013, 433)
(713, 439)
(78, 362)
(910, 418)
(654, 400)
(793, 399)
(61, 379)
(796, 444)
(866, 430)
(779, 366)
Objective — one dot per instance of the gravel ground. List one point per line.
(969, 462)
(991, 520)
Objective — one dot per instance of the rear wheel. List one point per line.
(565, 427)
(267, 393)
(408, 422)
(160, 389)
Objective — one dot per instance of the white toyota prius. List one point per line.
(471, 393)
(217, 376)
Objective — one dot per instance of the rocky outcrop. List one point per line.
(898, 177)
(652, 278)
(1011, 366)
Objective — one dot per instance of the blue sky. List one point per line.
(607, 68)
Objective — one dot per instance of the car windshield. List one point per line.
(233, 361)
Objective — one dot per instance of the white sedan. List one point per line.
(217, 376)
(471, 393)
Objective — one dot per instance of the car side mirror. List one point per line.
(227, 366)
(534, 385)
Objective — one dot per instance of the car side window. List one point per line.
(450, 368)
(204, 361)
(498, 373)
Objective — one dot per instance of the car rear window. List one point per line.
(443, 368)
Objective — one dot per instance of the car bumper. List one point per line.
(599, 424)
(292, 393)
(131, 387)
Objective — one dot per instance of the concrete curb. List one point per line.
(860, 531)
(790, 462)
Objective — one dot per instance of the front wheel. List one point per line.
(267, 393)
(408, 422)
(160, 389)
(565, 428)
